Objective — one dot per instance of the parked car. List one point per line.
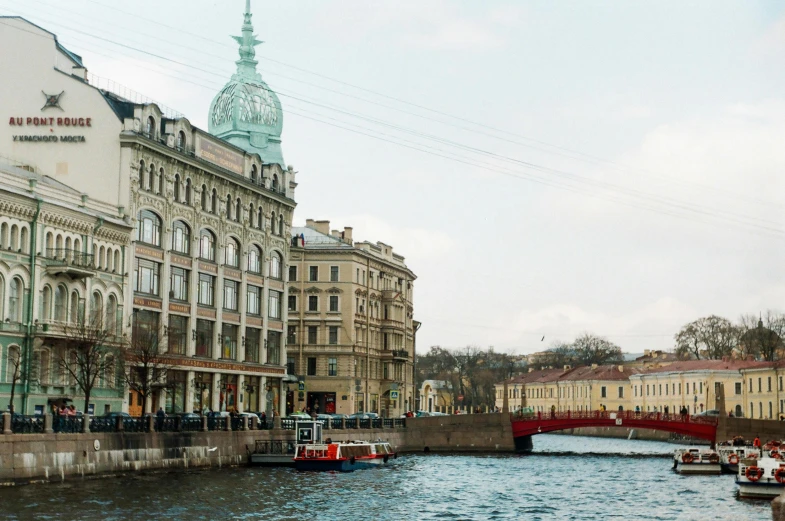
(117, 414)
(338, 417)
(325, 417)
(189, 415)
(364, 415)
(218, 414)
(710, 412)
(299, 416)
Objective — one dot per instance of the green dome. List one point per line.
(246, 112)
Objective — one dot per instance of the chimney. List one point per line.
(309, 223)
(347, 234)
(646, 352)
(322, 227)
(336, 234)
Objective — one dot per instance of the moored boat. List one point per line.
(762, 478)
(695, 460)
(312, 453)
(730, 456)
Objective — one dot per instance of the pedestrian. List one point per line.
(666, 410)
(684, 413)
(160, 416)
(637, 408)
(756, 442)
(553, 411)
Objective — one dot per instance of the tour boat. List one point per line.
(762, 478)
(696, 460)
(312, 453)
(343, 456)
(730, 456)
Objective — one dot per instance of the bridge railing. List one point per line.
(613, 415)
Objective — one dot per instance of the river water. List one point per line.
(566, 477)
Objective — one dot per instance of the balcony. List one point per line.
(66, 261)
(400, 354)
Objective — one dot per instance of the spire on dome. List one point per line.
(246, 65)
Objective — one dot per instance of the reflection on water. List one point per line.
(566, 477)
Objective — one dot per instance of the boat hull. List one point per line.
(699, 468)
(343, 465)
(760, 490)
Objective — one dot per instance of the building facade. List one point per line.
(210, 211)
(351, 328)
(61, 265)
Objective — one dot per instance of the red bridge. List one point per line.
(704, 427)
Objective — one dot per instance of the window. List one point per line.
(275, 265)
(260, 218)
(274, 182)
(229, 344)
(15, 300)
(150, 128)
(232, 253)
(206, 289)
(207, 245)
(181, 238)
(274, 307)
(178, 284)
(292, 303)
(760, 386)
(238, 210)
(603, 392)
(333, 334)
(280, 225)
(178, 334)
(291, 335)
(313, 273)
(621, 392)
(214, 202)
(292, 273)
(61, 304)
(46, 311)
(312, 334)
(254, 173)
(313, 303)
(290, 365)
(188, 192)
(255, 260)
(333, 303)
(737, 386)
(204, 338)
(146, 277)
(769, 385)
(230, 295)
(177, 188)
(252, 337)
(273, 347)
(181, 140)
(205, 204)
(148, 228)
(254, 300)
(333, 273)
(311, 366)
(229, 206)
(332, 367)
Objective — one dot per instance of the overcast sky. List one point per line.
(615, 168)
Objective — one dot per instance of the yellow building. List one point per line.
(763, 392)
(351, 330)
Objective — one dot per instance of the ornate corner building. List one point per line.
(351, 332)
(210, 216)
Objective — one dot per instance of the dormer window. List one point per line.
(150, 126)
(181, 140)
(274, 185)
(254, 173)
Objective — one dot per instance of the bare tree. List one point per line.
(709, 337)
(591, 349)
(558, 354)
(15, 362)
(146, 363)
(761, 336)
(89, 352)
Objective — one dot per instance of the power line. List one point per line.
(527, 176)
(572, 153)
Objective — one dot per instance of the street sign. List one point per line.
(301, 386)
(393, 395)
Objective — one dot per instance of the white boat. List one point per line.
(696, 460)
(730, 456)
(762, 478)
(312, 453)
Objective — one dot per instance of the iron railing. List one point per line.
(190, 424)
(351, 423)
(70, 257)
(287, 424)
(135, 424)
(21, 424)
(103, 424)
(611, 415)
(237, 423)
(216, 424)
(67, 424)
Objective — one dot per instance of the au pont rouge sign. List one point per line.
(63, 122)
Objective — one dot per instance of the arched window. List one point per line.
(274, 185)
(59, 245)
(232, 253)
(280, 225)
(260, 219)
(150, 129)
(205, 207)
(111, 313)
(50, 244)
(4, 235)
(24, 240)
(177, 188)
(74, 308)
(254, 173)
(96, 308)
(229, 207)
(207, 245)
(238, 211)
(148, 228)
(46, 303)
(272, 222)
(15, 299)
(142, 173)
(214, 202)
(44, 365)
(188, 192)
(251, 215)
(181, 140)
(275, 265)
(109, 370)
(255, 259)
(100, 260)
(181, 238)
(116, 266)
(738, 412)
(14, 237)
(60, 303)
(14, 369)
(160, 185)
